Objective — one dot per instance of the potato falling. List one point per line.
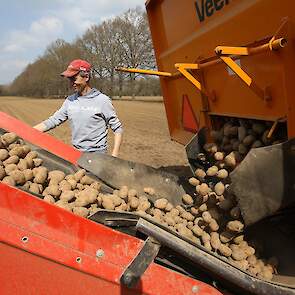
(209, 217)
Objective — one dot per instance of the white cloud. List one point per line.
(64, 19)
(40, 32)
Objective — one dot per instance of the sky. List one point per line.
(27, 27)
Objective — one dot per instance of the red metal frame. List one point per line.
(43, 140)
(45, 249)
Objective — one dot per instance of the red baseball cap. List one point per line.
(75, 67)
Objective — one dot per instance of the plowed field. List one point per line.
(146, 135)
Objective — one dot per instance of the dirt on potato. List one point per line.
(146, 134)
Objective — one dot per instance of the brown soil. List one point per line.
(146, 134)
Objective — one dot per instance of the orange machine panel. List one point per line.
(189, 31)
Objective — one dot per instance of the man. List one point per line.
(89, 111)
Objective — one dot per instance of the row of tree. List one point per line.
(123, 41)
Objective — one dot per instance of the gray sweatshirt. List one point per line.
(89, 117)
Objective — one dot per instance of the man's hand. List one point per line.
(41, 127)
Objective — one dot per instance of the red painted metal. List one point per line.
(47, 250)
(36, 137)
(189, 120)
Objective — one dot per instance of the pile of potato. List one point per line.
(210, 217)
(240, 135)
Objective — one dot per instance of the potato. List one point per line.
(224, 250)
(28, 173)
(34, 188)
(40, 174)
(204, 189)
(238, 239)
(11, 160)
(226, 236)
(108, 204)
(180, 209)
(235, 226)
(258, 128)
(86, 180)
(79, 174)
(2, 172)
(18, 177)
(53, 190)
(214, 240)
(18, 151)
(213, 225)
(216, 135)
(198, 231)
(132, 193)
(249, 251)
(256, 144)
(219, 188)
(184, 231)
(49, 199)
(67, 196)
(249, 140)
(123, 192)
(161, 203)
(203, 208)
(242, 149)
(37, 162)
(96, 185)
(218, 156)
(81, 211)
(65, 205)
(188, 216)
(194, 181)
(3, 154)
(8, 180)
(169, 220)
(116, 200)
(150, 191)
(212, 171)
(22, 164)
(194, 211)
(187, 199)
(8, 138)
(31, 155)
(168, 207)
(207, 245)
(9, 168)
(210, 147)
(122, 207)
(200, 174)
(64, 185)
(56, 176)
(222, 174)
(265, 274)
(205, 237)
(238, 254)
(252, 260)
(90, 193)
(230, 160)
(174, 212)
(80, 186)
(206, 217)
(143, 206)
(235, 145)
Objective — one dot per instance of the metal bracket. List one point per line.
(140, 263)
(183, 69)
(227, 53)
(146, 72)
